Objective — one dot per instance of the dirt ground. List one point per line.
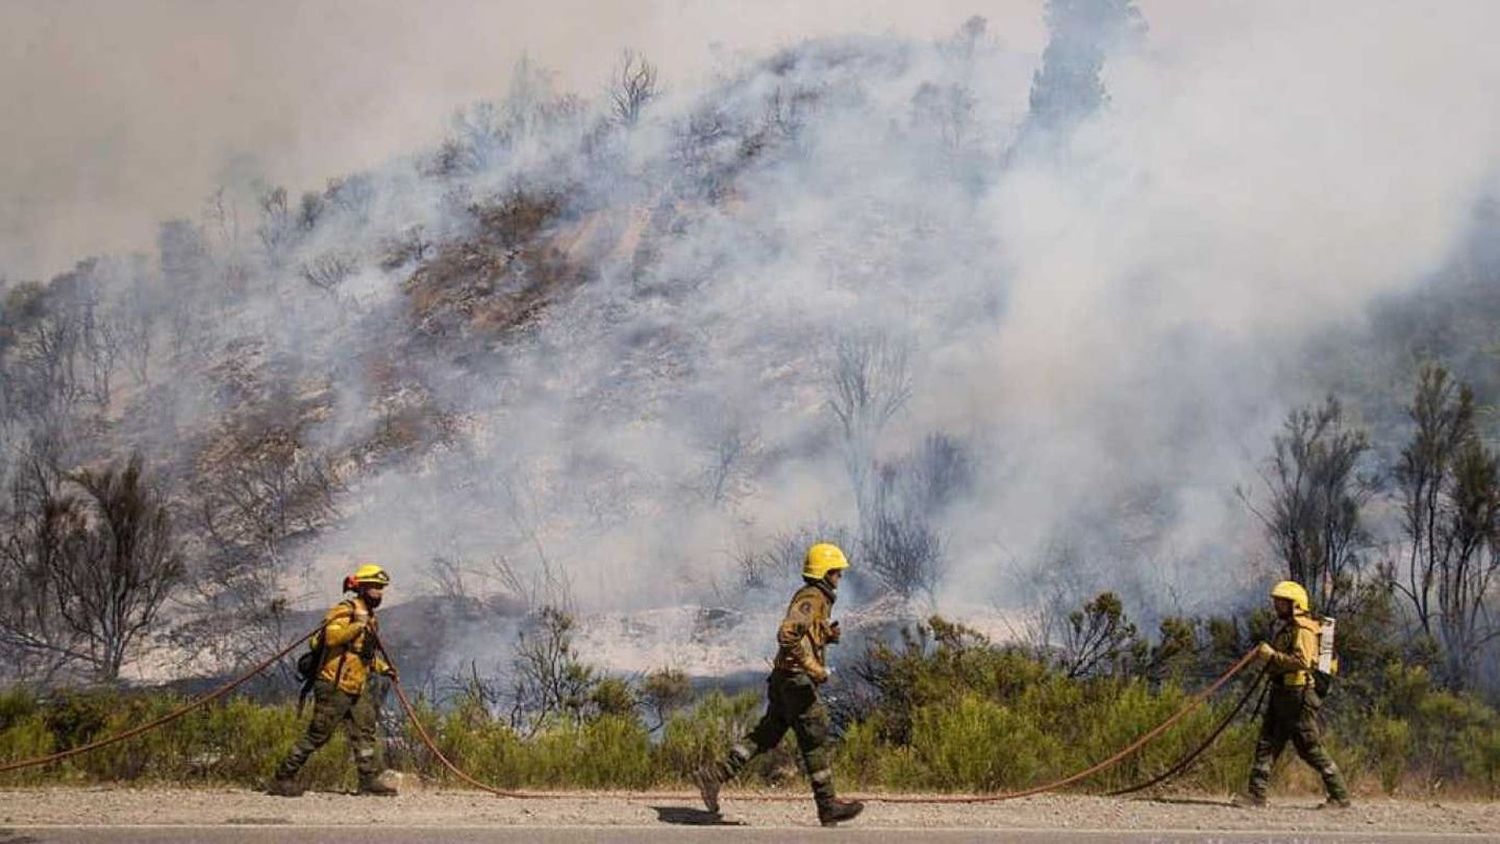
(77, 806)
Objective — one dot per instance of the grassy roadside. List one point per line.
(952, 713)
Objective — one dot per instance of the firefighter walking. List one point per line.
(1292, 711)
(340, 690)
(792, 691)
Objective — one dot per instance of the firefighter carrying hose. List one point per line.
(345, 655)
(793, 691)
(1292, 712)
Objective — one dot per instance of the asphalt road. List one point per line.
(231, 815)
(281, 834)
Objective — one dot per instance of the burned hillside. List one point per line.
(1017, 329)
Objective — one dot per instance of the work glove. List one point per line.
(1264, 652)
(821, 676)
(833, 632)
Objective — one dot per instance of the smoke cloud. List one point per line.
(120, 115)
(1104, 323)
(1110, 324)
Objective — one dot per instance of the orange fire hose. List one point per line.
(165, 719)
(1193, 703)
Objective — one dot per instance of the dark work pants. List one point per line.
(792, 704)
(1292, 715)
(332, 708)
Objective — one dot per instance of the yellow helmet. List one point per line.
(1292, 591)
(822, 559)
(368, 574)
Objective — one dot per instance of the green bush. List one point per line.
(479, 745)
(944, 710)
(609, 752)
(977, 745)
(862, 756)
(703, 734)
(1480, 755)
(1388, 741)
(27, 737)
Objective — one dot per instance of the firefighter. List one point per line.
(341, 692)
(793, 691)
(1292, 712)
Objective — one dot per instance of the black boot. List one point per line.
(831, 812)
(707, 778)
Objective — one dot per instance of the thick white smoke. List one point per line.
(1109, 321)
(1104, 319)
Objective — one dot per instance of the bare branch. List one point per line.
(634, 86)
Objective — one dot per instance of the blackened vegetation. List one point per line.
(634, 86)
(498, 278)
(901, 542)
(1449, 482)
(1317, 495)
(1433, 584)
(900, 501)
(88, 560)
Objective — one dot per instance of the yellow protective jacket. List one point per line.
(350, 654)
(1296, 646)
(806, 632)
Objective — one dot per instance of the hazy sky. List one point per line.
(119, 113)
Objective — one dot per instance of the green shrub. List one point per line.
(1481, 757)
(608, 752)
(862, 756)
(948, 711)
(976, 744)
(76, 717)
(1388, 741)
(16, 705)
(702, 734)
(479, 745)
(26, 737)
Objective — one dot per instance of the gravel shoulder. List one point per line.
(116, 806)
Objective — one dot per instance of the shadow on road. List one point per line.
(691, 817)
